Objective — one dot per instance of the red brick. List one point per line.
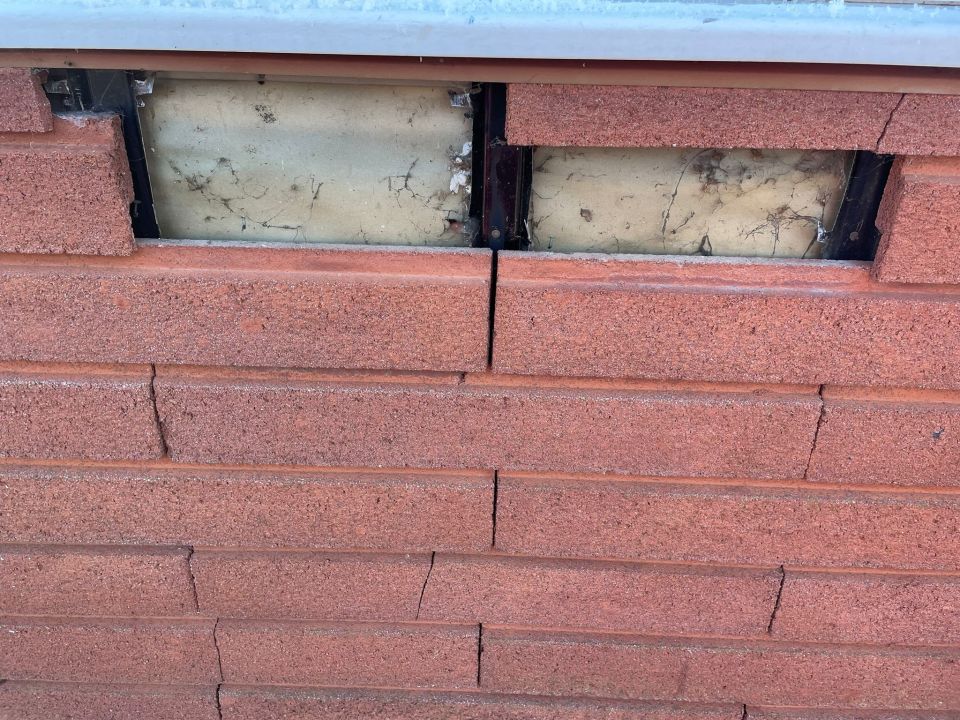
(84, 412)
(786, 713)
(355, 654)
(637, 597)
(776, 321)
(66, 191)
(719, 670)
(920, 221)
(905, 437)
(91, 701)
(869, 608)
(108, 650)
(924, 125)
(494, 422)
(409, 308)
(631, 116)
(165, 504)
(304, 584)
(249, 703)
(23, 105)
(50, 580)
(727, 523)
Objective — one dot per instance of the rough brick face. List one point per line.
(493, 422)
(94, 701)
(108, 650)
(67, 191)
(342, 704)
(349, 654)
(600, 595)
(632, 116)
(920, 221)
(300, 584)
(23, 105)
(783, 321)
(752, 672)
(904, 437)
(84, 412)
(49, 580)
(924, 125)
(326, 307)
(398, 511)
(877, 608)
(727, 523)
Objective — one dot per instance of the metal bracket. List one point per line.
(112, 91)
(855, 235)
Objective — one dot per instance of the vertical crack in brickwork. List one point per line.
(479, 651)
(493, 309)
(216, 645)
(816, 433)
(776, 604)
(743, 713)
(193, 578)
(886, 125)
(165, 449)
(496, 494)
(423, 590)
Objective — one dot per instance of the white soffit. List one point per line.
(887, 33)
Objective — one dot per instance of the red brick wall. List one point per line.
(254, 483)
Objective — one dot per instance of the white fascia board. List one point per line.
(815, 32)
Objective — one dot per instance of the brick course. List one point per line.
(77, 411)
(726, 523)
(753, 672)
(94, 701)
(91, 580)
(409, 655)
(920, 222)
(335, 307)
(634, 116)
(734, 320)
(66, 191)
(249, 703)
(178, 651)
(400, 511)
(399, 420)
(600, 595)
(302, 584)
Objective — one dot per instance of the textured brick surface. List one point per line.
(903, 437)
(23, 105)
(249, 703)
(924, 125)
(48, 580)
(597, 517)
(406, 308)
(792, 321)
(85, 412)
(108, 650)
(869, 608)
(631, 116)
(751, 672)
(94, 701)
(920, 221)
(299, 584)
(66, 191)
(600, 595)
(788, 713)
(487, 421)
(354, 654)
(403, 511)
